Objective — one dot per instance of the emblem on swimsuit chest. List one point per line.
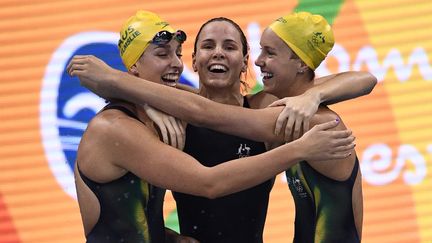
(243, 151)
(295, 183)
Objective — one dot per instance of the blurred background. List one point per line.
(43, 112)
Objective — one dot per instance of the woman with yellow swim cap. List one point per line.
(327, 196)
(122, 164)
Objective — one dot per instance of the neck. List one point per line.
(301, 85)
(229, 96)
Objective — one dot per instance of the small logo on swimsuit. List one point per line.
(297, 185)
(243, 151)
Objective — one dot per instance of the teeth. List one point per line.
(171, 77)
(266, 75)
(218, 67)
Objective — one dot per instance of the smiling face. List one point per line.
(219, 58)
(279, 65)
(160, 63)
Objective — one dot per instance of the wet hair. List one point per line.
(245, 45)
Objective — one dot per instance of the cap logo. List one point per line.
(126, 38)
(318, 38)
(163, 23)
(282, 20)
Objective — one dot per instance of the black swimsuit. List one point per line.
(324, 211)
(238, 217)
(130, 208)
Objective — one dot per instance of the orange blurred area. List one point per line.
(390, 39)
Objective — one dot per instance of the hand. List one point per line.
(185, 239)
(298, 111)
(174, 237)
(169, 126)
(321, 144)
(93, 73)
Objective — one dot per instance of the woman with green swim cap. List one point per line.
(122, 164)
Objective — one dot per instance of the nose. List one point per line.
(177, 62)
(259, 61)
(218, 52)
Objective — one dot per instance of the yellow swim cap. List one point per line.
(137, 33)
(309, 36)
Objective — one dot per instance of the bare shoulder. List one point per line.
(101, 147)
(338, 169)
(325, 114)
(260, 100)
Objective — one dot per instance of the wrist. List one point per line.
(113, 82)
(297, 150)
(315, 95)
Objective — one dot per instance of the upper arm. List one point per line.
(129, 144)
(337, 169)
(345, 86)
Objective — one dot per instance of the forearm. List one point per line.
(197, 110)
(243, 173)
(343, 86)
(181, 104)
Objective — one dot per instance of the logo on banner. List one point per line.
(66, 107)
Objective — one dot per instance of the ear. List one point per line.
(245, 63)
(302, 68)
(134, 70)
(194, 62)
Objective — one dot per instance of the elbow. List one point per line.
(370, 80)
(213, 191)
(212, 188)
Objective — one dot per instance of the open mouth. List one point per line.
(218, 68)
(266, 75)
(170, 79)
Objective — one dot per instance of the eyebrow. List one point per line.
(268, 48)
(226, 40)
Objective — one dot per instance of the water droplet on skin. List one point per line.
(116, 143)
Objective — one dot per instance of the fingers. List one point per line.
(163, 131)
(182, 136)
(341, 134)
(327, 125)
(277, 103)
(289, 127)
(279, 122)
(171, 131)
(344, 141)
(297, 126)
(306, 125)
(78, 62)
(177, 136)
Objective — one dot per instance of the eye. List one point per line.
(206, 45)
(271, 54)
